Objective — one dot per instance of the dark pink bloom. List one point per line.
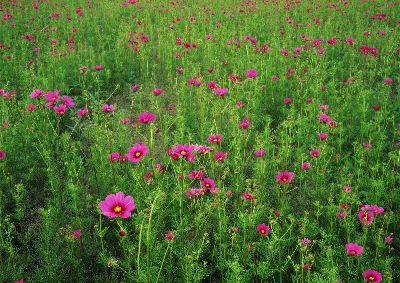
(323, 136)
(31, 107)
(117, 205)
(37, 93)
(2, 154)
(196, 175)
(287, 100)
(134, 87)
(215, 138)
(158, 91)
(170, 236)
(82, 112)
(354, 249)
(284, 177)
(208, 183)
(366, 217)
(388, 81)
(146, 117)
(76, 234)
(372, 276)
(137, 152)
(114, 156)
(220, 156)
(307, 266)
(347, 189)
(367, 145)
(263, 229)
(389, 240)
(212, 85)
(314, 152)
(259, 152)
(248, 196)
(184, 151)
(107, 108)
(245, 123)
(341, 214)
(305, 165)
(60, 109)
(221, 91)
(252, 73)
(98, 67)
(52, 97)
(68, 101)
(20, 281)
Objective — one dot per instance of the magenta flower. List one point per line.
(263, 229)
(37, 93)
(208, 183)
(314, 152)
(366, 217)
(373, 276)
(221, 91)
(114, 156)
(60, 109)
(31, 107)
(98, 67)
(322, 136)
(196, 175)
(2, 154)
(285, 177)
(245, 123)
(305, 241)
(389, 240)
(354, 249)
(170, 236)
(287, 100)
(117, 205)
(107, 108)
(305, 165)
(248, 196)
(82, 112)
(220, 156)
(252, 73)
(76, 234)
(215, 138)
(137, 152)
(146, 117)
(134, 87)
(259, 152)
(68, 101)
(158, 91)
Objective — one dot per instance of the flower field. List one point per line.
(199, 141)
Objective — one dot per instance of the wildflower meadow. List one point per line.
(199, 141)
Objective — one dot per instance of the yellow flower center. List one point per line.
(117, 209)
(183, 152)
(371, 278)
(138, 154)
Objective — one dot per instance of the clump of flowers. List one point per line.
(368, 212)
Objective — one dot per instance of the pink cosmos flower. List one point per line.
(220, 156)
(307, 266)
(117, 205)
(305, 241)
(284, 177)
(37, 93)
(248, 196)
(68, 101)
(60, 109)
(305, 165)
(98, 67)
(158, 91)
(107, 108)
(221, 91)
(314, 152)
(134, 87)
(245, 123)
(76, 234)
(287, 100)
(323, 136)
(146, 118)
(366, 217)
(252, 73)
(341, 214)
(114, 156)
(354, 249)
(196, 175)
(184, 151)
(208, 183)
(263, 229)
(31, 107)
(2, 154)
(388, 81)
(215, 138)
(52, 97)
(389, 240)
(372, 276)
(347, 189)
(82, 112)
(137, 152)
(240, 104)
(259, 152)
(195, 192)
(20, 281)
(170, 236)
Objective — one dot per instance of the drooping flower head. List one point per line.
(263, 229)
(117, 205)
(373, 276)
(137, 152)
(354, 249)
(284, 177)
